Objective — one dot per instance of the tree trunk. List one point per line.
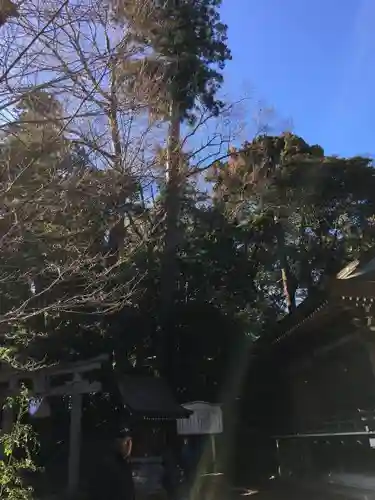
(288, 280)
(169, 259)
(117, 231)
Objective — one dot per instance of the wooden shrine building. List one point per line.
(316, 379)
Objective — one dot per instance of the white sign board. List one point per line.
(206, 419)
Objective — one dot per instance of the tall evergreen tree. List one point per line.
(184, 47)
(184, 43)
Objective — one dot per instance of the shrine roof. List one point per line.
(353, 285)
(149, 398)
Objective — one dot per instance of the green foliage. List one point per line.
(189, 50)
(320, 209)
(80, 255)
(19, 447)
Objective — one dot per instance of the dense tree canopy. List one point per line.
(85, 217)
(282, 217)
(319, 210)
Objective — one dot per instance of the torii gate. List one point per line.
(75, 388)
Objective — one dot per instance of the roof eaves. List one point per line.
(301, 323)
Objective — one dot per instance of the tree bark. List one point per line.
(117, 232)
(169, 269)
(288, 280)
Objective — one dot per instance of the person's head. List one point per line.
(123, 442)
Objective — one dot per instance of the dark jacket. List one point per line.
(112, 480)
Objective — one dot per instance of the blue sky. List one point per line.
(313, 61)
